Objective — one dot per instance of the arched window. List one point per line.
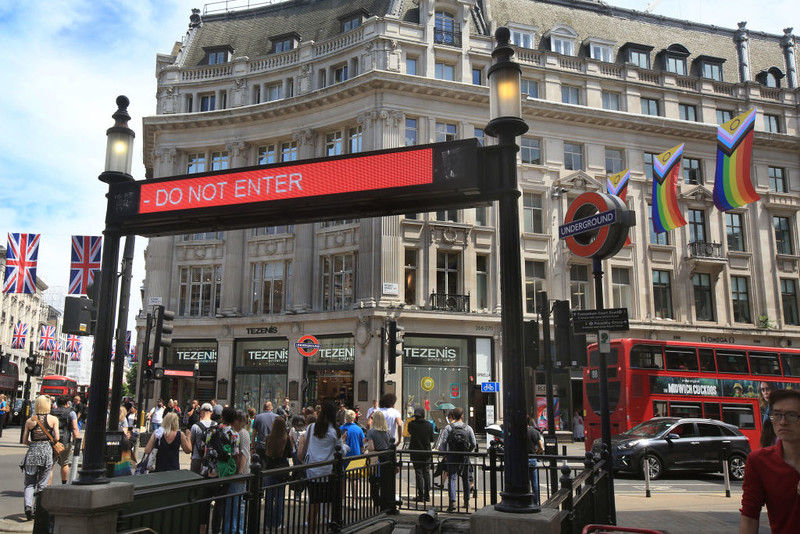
(771, 77)
(562, 39)
(446, 30)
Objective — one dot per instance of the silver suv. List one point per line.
(672, 443)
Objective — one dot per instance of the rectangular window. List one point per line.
(712, 71)
(640, 58)
(602, 53)
(289, 87)
(448, 274)
(662, 295)
(219, 161)
(531, 151)
(272, 230)
(445, 71)
(621, 287)
(340, 74)
(217, 57)
(522, 39)
(481, 216)
(256, 94)
(410, 283)
(477, 76)
(446, 30)
(482, 281)
(355, 139)
(197, 163)
(611, 101)
(579, 287)
(338, 281)
(204, 236)
(200, 291)
(573, 156)
(724, 115)
(570, 94)
(649, 158)
(614, 163)
(656, 238)
(741, 299)
(333, 144)
(289, 151)
(270, 287)
(687, 112)
(266, 155)
(784, 240)
(697, 226)
(480, 135)
(692, 171)
(189, 103)
(676, 65)
(274, 92)
(529, 88)
(208, 102)
(411, 132)
(447, 215)
(445, 132)
(535, 281)
(772, 123)
(351, 24)
(411, 66)
(563, 46)
(283, 46)
(703, 297)
(649, 106)
(532, 213)
(777, 183)
(734, 227)
(791, 316)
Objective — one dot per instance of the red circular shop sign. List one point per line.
(307, 345)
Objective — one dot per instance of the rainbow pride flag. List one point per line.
(617, 185)
(666, 212)
(732, 184)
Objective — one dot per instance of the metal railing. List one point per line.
(449, 302)
(448, 36)
(701, 249)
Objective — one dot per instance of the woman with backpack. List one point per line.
(168, 440)
(276, 455)
(378, 439)
(458, 437)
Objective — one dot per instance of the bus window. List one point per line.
(791, 364)
(711, 410)
(764, 363)
(680, 359)
(707, 362)
(732, 361)
(593, 395)
(659, 408)
(740, 415)
(611, 359)
(685, 409)
(646, 357)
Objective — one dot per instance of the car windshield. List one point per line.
(648, 429)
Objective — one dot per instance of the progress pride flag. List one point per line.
(346, 175)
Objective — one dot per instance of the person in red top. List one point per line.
(772, 474)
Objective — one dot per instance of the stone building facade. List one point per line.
(604, 89)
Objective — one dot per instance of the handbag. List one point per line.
(58, 447)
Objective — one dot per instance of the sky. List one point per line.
(66, 62)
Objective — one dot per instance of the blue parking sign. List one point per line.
(490, 387)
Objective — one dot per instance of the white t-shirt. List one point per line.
(391, 416)
(320, 450)
(157, 415)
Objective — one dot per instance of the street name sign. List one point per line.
(590, 321)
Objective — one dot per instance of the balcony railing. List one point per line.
(450, 302)
(700, 249)
(448, 36)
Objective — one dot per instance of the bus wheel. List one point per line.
(653, 465)
(736, 467)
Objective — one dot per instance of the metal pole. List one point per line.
(141, 386)
(548, 384)
(26, 394)
(382, 384)
(93, 470)
(602, 375)
(122, 323)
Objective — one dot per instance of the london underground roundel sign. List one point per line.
(596, 225)
(307, 345)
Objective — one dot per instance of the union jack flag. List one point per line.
(22, 254)
(74, 343)
(19, 336)
(92, 355)
(47, 338)
(134, 359)
(128, 342)
(75, 357)
(86, 258)
(55, 354)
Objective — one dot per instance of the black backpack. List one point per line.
(64, 427)
(202, 437)
(458, 439)
(216, 441)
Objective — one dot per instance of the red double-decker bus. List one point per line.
(57, 385)
(648, 378)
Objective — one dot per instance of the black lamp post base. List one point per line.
(87, 477)
(517, 503)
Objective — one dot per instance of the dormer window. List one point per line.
(523, 36)
(216, 55)
(711, 67)
(675, 59)
(446, 30)
(562, 40)
(771, 77)
(284, 43)
(601, 50)
(351, 21)
(637, 54)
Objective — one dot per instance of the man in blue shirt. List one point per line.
(262, 426)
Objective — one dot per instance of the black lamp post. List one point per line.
(506, 123)
(119, 158)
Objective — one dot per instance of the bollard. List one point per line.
(646, 469)
(725, 469)
(493, 470)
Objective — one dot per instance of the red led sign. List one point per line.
(379, 171)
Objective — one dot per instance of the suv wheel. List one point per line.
(736, 467)
(653, 465)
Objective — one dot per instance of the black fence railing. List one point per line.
(448, 36)
(449, 302)
(701, 249)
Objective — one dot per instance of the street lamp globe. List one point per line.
(505, 102)
(119, 144)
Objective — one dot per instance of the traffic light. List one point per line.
(530, 332)
(562, 332)
(4, 361)
(164, 329)
(30, 362)
(77, 316)
(395, 344)
(148, 368)
(93, 294)
(37, 369)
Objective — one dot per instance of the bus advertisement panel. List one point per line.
(648, 378)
